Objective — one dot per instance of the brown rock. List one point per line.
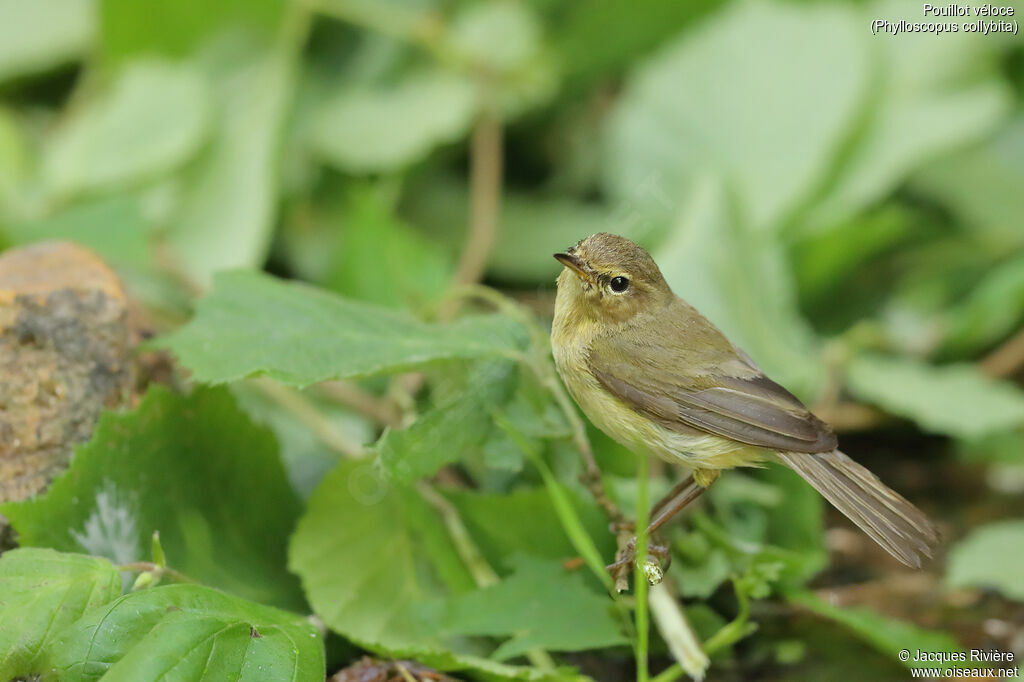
(65, 354)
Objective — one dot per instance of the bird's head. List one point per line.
(610, 279)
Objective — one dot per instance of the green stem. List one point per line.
(735, 630)
(639, 576)
(571, 523)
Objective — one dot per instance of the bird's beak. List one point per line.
(576, 264)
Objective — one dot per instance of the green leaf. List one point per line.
(540, 605)
(41, 34)
(154, 117)
(15, 167)
(982, 183)
(990, 557)
(957, 400)
(382, 260)
(497, 36)
(187, 632)
(356, 554)
(992, 311)
(133, 27)
(649, 25)
(113, 227)
(524, 522)
(303, 454)
(530, 228)
(740, 280)
(456, 422)
(931, 97)
(700, 106)
(365, 130)
(193, 467)
(255, 324)
(229, 201)
(41, 591)
(370, 555)
(884, 634)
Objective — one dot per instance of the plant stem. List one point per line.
(383, 411)
(736, 629)
(1007, 358)
(483, 574)
(485, 197)
(303, 409)
(639, 576)
(481, 571)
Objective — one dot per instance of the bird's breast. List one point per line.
(632, 429)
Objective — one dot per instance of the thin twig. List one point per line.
(848, 416)
(384, 411)
(481, 571)
(1007, 359)
(476, 564)
(303, 409)
(485, 197)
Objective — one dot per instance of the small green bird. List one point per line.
(658, 377)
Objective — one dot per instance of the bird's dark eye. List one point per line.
(619, 284)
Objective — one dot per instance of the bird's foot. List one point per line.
(653, 569)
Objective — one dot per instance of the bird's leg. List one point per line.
(667, 507)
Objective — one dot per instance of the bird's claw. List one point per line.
(652, 569)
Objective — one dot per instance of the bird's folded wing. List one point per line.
(715, 391)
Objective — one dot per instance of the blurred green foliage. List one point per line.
(848, 208)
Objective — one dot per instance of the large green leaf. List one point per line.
(954, 399)
(186, 632)
(372, 556)
(539, 605)
(761, 94)
(194, 468)
(992, 311)
(381, 260)
(229, 201)
(255, 324)
(502, 39)
(133, 27)
(931, 97)
(153, 118)
(525, 523)
(41, 34)
(886, 635)
(113, 227)
(457, 421)
(41, 591)
(648, 25)
(991, 557)
(367, 130)
(982, 183)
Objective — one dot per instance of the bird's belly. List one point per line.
(640, 434)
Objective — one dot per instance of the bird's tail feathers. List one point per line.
(898, 526)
